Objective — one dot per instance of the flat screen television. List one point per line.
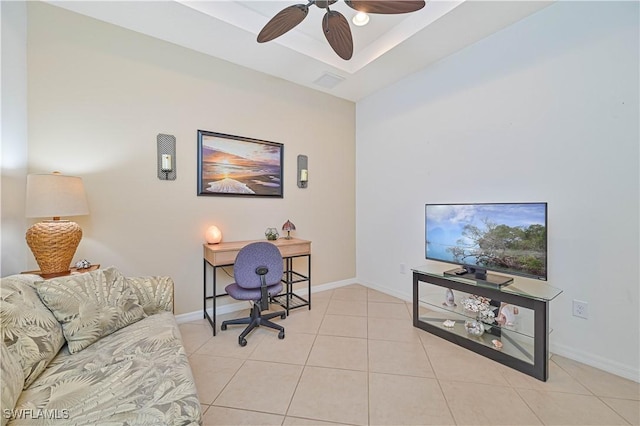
(502, 237)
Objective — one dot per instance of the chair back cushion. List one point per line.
(253, 256)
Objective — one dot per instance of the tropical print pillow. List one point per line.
(155, 294)
(90, 305)
(11, 383)
(29, 330)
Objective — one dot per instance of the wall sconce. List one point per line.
(166, 157)
(303, 172)
(213, 235)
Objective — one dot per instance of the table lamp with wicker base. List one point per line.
(54, 242)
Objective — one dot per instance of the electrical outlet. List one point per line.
(403, 268)
(580, 309)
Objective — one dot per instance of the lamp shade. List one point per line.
(288, 226)
(213, 235)
(55, 195)
(54, 242)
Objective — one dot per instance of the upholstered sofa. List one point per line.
(92, 349)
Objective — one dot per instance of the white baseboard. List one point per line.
(407, 297)
(596, 362)
(220, 310)
(239, 306)
(568, 352)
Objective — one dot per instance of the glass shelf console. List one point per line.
(520, 341)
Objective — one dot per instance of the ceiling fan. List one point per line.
(334, 24)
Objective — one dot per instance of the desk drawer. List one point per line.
(295, 249)
(225, 253)
(225, 258)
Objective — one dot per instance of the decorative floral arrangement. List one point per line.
(481, 307)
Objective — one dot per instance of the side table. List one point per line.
(72, 271)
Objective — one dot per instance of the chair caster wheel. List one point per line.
(223, 327)
(281, 335)
(283, 316)
(242, 342)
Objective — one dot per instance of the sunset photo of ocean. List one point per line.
(239, 166)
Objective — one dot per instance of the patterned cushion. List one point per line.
(139, 375)
(155, 294)
(90, 305)
(12, 382)
(29, 329)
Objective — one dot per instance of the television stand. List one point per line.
(481, 277)
(523, 343)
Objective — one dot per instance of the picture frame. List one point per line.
(237, 166)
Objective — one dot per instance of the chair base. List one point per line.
(256, 320)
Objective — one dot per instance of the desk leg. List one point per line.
(213, 278)
(204, 289)
(289, 289)
(309, 280)
(211, 319)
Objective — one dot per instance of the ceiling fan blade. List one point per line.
(284, 21)
(387, 7)
(336, 30)
(323, 4)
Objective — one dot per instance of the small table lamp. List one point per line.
(54, 242)
(288, 226)
(213, 235)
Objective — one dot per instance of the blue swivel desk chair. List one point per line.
(258, 274)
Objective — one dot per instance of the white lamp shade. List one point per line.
(55, 195)
(213, 235)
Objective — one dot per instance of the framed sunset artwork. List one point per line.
(237, 166)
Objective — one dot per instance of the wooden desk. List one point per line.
(224, 254)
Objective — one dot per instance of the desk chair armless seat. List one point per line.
(258, 274)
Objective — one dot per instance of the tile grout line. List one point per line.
(426, 345)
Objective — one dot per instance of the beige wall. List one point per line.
(99, 95)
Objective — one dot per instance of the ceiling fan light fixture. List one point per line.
(360, 19)
(334, 25)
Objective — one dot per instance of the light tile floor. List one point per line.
(355, 358)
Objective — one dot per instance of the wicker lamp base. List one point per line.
(53, 243)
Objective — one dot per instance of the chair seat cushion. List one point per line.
(239, 293)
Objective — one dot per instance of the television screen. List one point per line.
(508, 237)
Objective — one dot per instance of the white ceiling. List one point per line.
(388, 49)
